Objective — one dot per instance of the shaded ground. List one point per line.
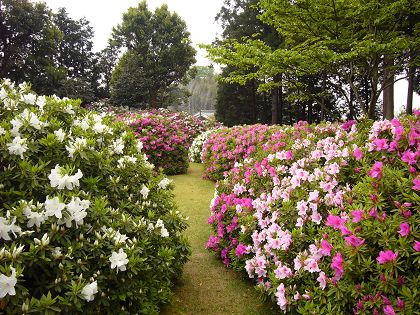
(206, 286)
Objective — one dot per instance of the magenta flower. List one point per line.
(404, 229)
(357, 215)
(354, 241)
(416, 183)
(376, 171)
(389, 310)
(338, 265)
(416, 246)
(386, 256)
(400, 303)
(335, 221)
(240, 250)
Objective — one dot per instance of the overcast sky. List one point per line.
(198, 14)
(105, 14)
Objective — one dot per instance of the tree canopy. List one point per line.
(158, 54)
(355, 47)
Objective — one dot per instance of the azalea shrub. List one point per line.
(230, 145)
(325, 218)
(196, 147)
(86, 224)
(166, 137)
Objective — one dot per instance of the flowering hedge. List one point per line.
(166, 137)
(84, 224)
(228, 146)
(196, 147)
(325, 218)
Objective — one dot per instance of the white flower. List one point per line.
(164, 183)
(99, 127)
(76, 211)
(139, 146)
(69, 110)
(40, 102)
(64, 181)
(16, 123)
(164, 232)
(60, 134)
(78, 145)
(118, 260)
(3, 93)
(2, 131)
(89, 291)
(145, 192)
(29, 98)
(119, 238)
(35, 218)
(54, 207)
(34, 121)
(7, 284)
(18, 146)
(56, 252)
(84, 123)
(117, 146)
(6, 228)
(122, 162)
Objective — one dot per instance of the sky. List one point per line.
(198, 14)
(105, 14)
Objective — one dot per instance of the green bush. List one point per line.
(84, 224)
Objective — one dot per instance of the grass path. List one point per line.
(206, 286)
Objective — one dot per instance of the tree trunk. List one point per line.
(281, 100)
(388, 90)
(410, 89)
(275, 106)
(254, 103)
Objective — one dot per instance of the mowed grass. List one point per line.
(206, 286)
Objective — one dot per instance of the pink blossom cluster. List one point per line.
(166, 136)
(321, 207)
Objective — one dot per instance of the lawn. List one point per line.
(206, 286)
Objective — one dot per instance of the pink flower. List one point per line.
(416, 183)
(357, 153)
(416, 246)
(376, 171)
(322, 279)
(357, 215)
(338, 265)
(409, 157)
(240, 250)
(325, 248)
(404, 229)
(400, 303)
(335, 221)
(354, 241)
(281, 297)
(386, 256)
(389, 310)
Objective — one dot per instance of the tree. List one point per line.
(343, 40)
(28, 40)
(52, 51)
(158, 55)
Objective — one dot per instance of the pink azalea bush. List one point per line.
(166, 137)
(324, 218)
(227, 146)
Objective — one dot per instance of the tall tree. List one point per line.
(158, 55)
(346, 39)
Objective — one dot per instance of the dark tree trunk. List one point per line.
(275, 106)
(281, 100)
(410, 88)
(388, 90)
(254, 103)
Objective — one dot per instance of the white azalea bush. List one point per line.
(86, 223)
(194, 152)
